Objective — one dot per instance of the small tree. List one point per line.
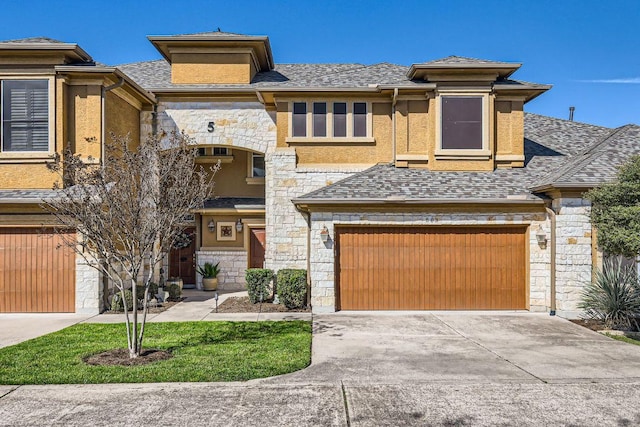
(616, 211)
(128, 211)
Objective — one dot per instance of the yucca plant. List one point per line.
(614, 296)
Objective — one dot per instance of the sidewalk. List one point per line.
(200, 306)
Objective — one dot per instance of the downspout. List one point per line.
(103, 97)
(552, 217)
(393, 123)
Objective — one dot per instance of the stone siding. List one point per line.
(88, 288)
(323, 254)
(573, 253)
(236, 124)
(286, 227)
(233, 265)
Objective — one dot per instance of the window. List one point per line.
(319, 119)
(339, 119)
(359, 119)
(25, 115)
(257, 166)
(299, 119)
(462, 123)
(221, 151)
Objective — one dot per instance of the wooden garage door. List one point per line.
(35, 275)
(431, 268)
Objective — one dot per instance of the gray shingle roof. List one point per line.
(157, 75)
(549, 142)
(234, 202)
(599, 162)
(455, 60)
(32, 40)
(25, 196)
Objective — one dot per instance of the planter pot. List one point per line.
(209, 284)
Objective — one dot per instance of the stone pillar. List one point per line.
(573, 253)
(88, 288)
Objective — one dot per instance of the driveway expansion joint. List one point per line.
(346, 404)
(10, 391)
(492, 352)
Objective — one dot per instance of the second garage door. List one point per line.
(37, 272)
(431, 268)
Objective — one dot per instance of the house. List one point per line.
(398, 188)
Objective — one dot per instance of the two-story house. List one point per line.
(397, 188)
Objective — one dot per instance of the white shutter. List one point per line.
(25, 106)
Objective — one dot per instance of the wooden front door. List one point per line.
(431, 268)
(37, 272)
(182, 261)
(257, 246)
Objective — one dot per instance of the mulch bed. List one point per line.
(120, 357)
(243, 305)
(152, 310)
(594, 325)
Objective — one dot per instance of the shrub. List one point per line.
(208, 270)
(174, 292)
(258, 283)
(614, 296)
(292, 287)
(116, 301)
(153, 291)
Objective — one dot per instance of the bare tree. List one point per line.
(129, 210)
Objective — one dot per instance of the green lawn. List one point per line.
(624, 339)
(202, 351)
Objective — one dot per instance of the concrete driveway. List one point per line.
(18, 327)
(463, 347)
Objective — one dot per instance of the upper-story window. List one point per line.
(25, 116)
(323, 120)
(463, 125)
(258, 169)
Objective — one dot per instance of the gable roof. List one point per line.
(598, 163)
(549, 142)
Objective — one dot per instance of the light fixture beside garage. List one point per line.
(541, 237)
(211, 226)
(239, 226)
(324, 234)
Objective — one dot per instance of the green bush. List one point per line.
(258, 280)
(292, 288)
(174, 292)
(153, 291)
(614, 296)
(116, 300)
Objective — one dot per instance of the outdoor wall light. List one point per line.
(541, 236)
(211, 226)
(324, 234)
(239, 226)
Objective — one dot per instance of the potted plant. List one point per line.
(209, 273)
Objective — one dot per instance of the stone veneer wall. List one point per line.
(88, 288)
(233, 265)
(286, 227)
(573, 253)
(237, 124)
(323, 254)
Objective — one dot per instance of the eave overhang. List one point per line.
(70, 50)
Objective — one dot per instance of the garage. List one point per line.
(36, 276)
(431, 268)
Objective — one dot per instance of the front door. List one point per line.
(182, 259)
(257, 245)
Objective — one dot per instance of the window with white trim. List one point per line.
(322, 120)
(25, 116)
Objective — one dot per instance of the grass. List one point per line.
(624, 339)
(202, 351)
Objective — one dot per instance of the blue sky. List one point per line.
(588, 50)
